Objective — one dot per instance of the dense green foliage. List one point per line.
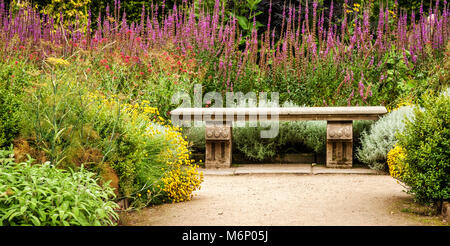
(12, 84)
(42, 195)
(426, 142)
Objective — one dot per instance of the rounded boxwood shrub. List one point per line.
(42, 195)
(426, 142)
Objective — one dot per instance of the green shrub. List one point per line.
(196, 138)
(9, 117)
(426, 142)
(248, 141)
(12, 84)
(42, 195)
(381, 138)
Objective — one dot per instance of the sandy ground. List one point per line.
(266, 200)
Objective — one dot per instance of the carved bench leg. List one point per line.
(218, 146)
(339, 144)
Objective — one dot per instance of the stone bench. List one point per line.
(218, 132)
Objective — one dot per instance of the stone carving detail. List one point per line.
(218, 133)
(218, 146)
(339, 131)
(339, 144)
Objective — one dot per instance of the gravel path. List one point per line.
(265, 200)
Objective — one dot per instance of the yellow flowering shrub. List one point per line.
(181, 177)
(396, 163)
(161, 164)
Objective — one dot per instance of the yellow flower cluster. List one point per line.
(403, 103)
(396, 162)
(181, 182)
(392, 14)
(181, 178)
(355, 8)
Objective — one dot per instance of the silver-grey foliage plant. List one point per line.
(381, 137)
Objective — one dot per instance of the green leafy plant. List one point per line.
(42, 195)
(9, 116)
(246, 21)
(426, 143)
(248, 141)
(12, 83)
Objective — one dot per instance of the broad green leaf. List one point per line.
(35, 220)
(243, 22)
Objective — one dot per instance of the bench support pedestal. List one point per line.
(218, 146)
(339, 144)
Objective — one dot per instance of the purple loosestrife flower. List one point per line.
(344, 22)
(299, 23)
(349, 100)
(307, 17)
(371, 61)
(315, 3)
(361, 85)
(330, 17)
(270, 16)
(320, 24)
(413, 56)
